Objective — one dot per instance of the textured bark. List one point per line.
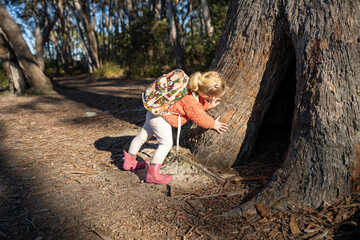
(17, 84)
(258, 42)
(35, 77)
(39, 47)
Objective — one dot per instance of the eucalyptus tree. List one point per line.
(34, 76)
(258, 44)
(85, 19)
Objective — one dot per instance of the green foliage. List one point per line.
(201, 49)
(53, 68)
(218, 19)
(109, 69)
(142, 46)
(4, 81)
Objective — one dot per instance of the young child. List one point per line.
(205, 91)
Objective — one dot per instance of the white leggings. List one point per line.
(163, 131)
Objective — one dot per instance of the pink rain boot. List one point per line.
(131, 163)
(153, 175)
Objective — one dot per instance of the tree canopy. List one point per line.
(141, 37)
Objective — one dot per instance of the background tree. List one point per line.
(10, 65)
(100, 31)
(142, 38)
(259, 41)
(86, 28)
(34, 76)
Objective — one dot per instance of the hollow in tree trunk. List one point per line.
(259, 41)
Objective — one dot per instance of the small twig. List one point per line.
(32, 224)
(14, 218)
(228, 194)
(3, 234)
(347, 206)
(101, 235)
(39, 211)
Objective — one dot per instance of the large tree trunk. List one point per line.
(259, 40)
(17, 84)
(33, 73)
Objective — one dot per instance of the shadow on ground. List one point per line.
(22, 217)
(119, 97)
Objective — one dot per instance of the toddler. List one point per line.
(205, 91)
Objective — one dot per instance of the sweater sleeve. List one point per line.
(194, 110)
(206, 105)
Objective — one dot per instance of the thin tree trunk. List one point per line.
(59, 52)
(129, 10)
(43, 27)
(175, 38)
(157, 7)
(259, 40)
(39, 43)
(110, 29)
(65, 46)
(82, 14)
(207, 17)
(33, 73)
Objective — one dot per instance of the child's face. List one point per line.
(206, 97)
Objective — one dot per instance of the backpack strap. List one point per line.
(196, 96)
(178, 132)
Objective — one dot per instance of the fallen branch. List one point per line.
(347, 206)
(238, 179)
(227, 194)
(199, 166)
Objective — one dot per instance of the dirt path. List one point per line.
(61, 175)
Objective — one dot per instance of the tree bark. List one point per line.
(257, 44)
(34, 75)
(39, 46)
(17, 84)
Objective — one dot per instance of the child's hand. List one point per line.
(219, 126)
(214, 102)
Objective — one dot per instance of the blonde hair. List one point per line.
(210, 83)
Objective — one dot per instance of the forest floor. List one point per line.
(61, 177)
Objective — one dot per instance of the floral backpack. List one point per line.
(165, 92)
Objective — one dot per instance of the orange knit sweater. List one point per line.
(192, 109)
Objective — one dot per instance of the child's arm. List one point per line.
(198, 115)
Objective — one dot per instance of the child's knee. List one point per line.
(166, 145)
